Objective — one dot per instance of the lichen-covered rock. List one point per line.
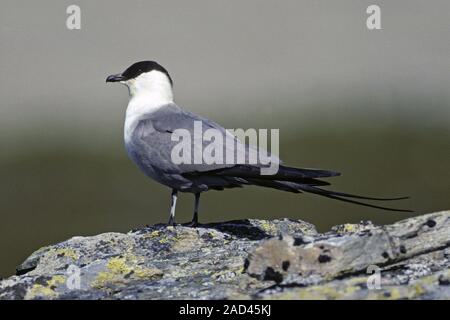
(351, 250)
(245, 259)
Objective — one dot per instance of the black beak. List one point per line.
(115, 78)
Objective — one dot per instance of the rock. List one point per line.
(245, 259)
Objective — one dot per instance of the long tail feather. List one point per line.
(350, 195)
(293, 180)
(331, 195)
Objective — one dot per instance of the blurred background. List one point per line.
(374, 105)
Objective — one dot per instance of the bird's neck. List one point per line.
(148, 98)
(144, 101)
(147, 102)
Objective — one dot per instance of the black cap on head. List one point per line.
(138, 68)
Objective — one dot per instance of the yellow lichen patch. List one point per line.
(325, 292)
(147, 273)
(350, 290)
(153, 234)
(321, 292)
(240, 270)
(103, 278)
(395, 294)
(164, 240)
(418, 290)
(46, 291)
(310, 293)
(56, 280)
(118, 265)
(66, 252)
(39, 290)
(357, 281)
(348, 228)
(389, 293)
(268, 227)
(124, 269)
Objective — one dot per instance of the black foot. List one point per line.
(194, 221)
(192, 224)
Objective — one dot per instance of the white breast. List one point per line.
(149, 92)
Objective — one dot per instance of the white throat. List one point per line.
(148, 92)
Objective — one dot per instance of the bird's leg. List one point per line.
(172, 207)
(194, 221)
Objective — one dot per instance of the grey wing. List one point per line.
(156, 133)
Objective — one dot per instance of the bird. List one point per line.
(152, 117)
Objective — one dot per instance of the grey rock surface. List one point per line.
(245, 259)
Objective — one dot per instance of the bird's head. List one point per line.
(147, 77)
